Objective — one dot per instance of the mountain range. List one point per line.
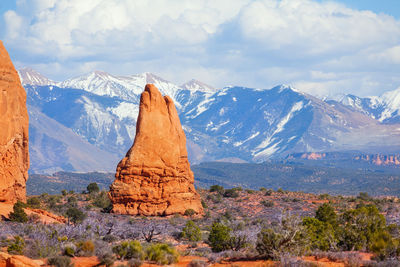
(88, 123)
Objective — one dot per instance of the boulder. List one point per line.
(154, 178)
(14, 151)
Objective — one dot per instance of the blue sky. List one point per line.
(320, 47)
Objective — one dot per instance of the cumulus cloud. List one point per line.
(322, 48)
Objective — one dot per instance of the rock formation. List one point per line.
(14, 151)
(155, 178)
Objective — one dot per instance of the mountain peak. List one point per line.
(195, 85)
(30, 76)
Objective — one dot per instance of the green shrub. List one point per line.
(321, 235)
(85, 248)
(93, 188)
(233, 192)
(162, 254)
(60, 261)
(191, 232)
(18, 214)
(102, 200)
(75, 215)
(16, 246)
(217, 188)
(135, 262)
(69, 251)
(34, 203)
(129, 250)
(220, 236)
(267, 203)
(107, 259)
(359, 227)
(326, 213)
(189, 212)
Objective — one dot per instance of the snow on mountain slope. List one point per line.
(54, 147)
(385, 108)
(195, 85)
(391, 113)
(32, 77)
(124, 87)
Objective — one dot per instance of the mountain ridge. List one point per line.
(245, 124)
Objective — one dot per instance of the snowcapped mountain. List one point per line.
(128, 87)
(32, 77)
(385, 108)
(233, 123)
(195, 85)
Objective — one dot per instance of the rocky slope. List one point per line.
(14, 122)
(154, 178)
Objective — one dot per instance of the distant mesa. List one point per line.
(14, 151)
(155, 177)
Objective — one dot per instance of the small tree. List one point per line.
(75, 215)
(191, 232)
(93, 188)
(326, 213)
(220, 236)
(18, 214)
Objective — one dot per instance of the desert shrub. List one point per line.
(280, 190)
(189, 212)
(93, 188)
(102, 200)
(109, 238)
(198, 263)
(267, 203)
(219, 238)
(233, 192)
(129, 250)
(69, 251)
(34, 203)
(75, 215)
(384, 246)
(16, 246)
(268, 192)
(107, 259)
(364, 196)
(326, 213)
(321, 235)
(250, 191)
(204, 204)
(60, 261)
(18, 214)
(64, 192)
(162, 254)
(286, 238)
(135, 262)
(85, 248)
(191, 232)
(359, 227)
(217, 188)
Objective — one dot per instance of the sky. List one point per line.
(320, 47)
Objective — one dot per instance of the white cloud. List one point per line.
(322, 48)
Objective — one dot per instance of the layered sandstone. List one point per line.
(14, 153)
(155, 178)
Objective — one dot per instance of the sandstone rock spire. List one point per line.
(155, 178)
(14, 151)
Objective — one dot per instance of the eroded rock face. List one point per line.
(14, 151)
(155, 178)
